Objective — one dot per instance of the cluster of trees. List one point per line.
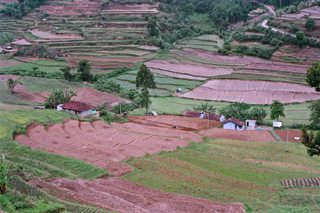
(84, 69)
(37, 50)
(21, 9)
(243, 111)
(282, 3)
(59, 96)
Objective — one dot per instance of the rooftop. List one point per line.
(77, 106)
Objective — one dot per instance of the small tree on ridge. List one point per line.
(277, 110)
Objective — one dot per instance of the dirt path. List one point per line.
(119, 195)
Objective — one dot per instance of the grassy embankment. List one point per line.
(233, 171)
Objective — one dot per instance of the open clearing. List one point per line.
(291, 135)
(252, 135)
(253, 92)
(107, 144)
(120, 195)
(48, 36)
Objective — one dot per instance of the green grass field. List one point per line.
(229, 171)
(29, 66)
(35, 85)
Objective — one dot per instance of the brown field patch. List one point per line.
(291, 135)
(22, 42)
(250, 135)
(9, 63)
(56, 37)
(87, 95)
(120, 195)
(91, 58)
(253, 92)
(167, 121)
(196, 70)
(6, 77)
(176, 75)
(97, 143)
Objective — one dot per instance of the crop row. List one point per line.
(30, 190)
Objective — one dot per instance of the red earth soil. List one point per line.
(92, 58)
(75, 7)
(87, 95)
(98, 143)
(167, 121)
(250, 135)
(6, 77)
(252, 92)
(119, 195)
(292, 134)
(251, 62)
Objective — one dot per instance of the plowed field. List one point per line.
(291, 135)
(102, 145)
(253, 92)
(120, 195)
(252, 135)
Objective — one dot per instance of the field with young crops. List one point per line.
(249, 172)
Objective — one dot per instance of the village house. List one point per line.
(78, 108)
(233, 123)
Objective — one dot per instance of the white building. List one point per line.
(78, 108)
(233, 123)
(250, 123)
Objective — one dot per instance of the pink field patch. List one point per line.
(196, 70)
(253, 92)
(176, 75)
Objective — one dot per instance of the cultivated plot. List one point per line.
(253, 92)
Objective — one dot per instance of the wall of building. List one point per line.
(231, 125)
(85, 113)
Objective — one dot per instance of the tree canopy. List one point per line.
(315, 114)
(11, 84)
(311, 141)
(243, 111)
(145, 80)
(277, 110)
(59, 96)
(84, 69)
(310, 23)
(313, 76)
(204, 107)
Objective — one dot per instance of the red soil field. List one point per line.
(92, 58)
(250, 135)
(191, 69)
(176, 75)
(252, 92)
(87, 95)
(6, 77)
(98, 143)
(251, 62)
(22, 42)
(76, 7)
(167, 121)
(292, 134)
(119, 195)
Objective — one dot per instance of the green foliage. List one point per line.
(4, 176)
(6, 38)
(11, 84)
(59, 96)
(84, 69)
(257, 51)
(38, 50)
(125, 107)
(310, 23)
(152, 27)
(277, 110)
(311, 141)
(204, 107)
(102, 107)
(104, 85)
(301, 40)
(315, 114)
(145, 79)
(21, 9)
(313, 76)
(66, 73)
(243, 111)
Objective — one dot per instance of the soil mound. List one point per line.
(119, 195)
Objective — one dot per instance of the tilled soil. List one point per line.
(253, 92)
(119, 195)
(6, 77)
(100, 144)
(291, 135)
(250, 135)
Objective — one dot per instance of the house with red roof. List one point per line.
(233, 123)
(78, 108)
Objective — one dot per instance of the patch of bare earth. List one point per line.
(119, 195)
(98, 143)
(6, 77)
(250, 135)
(253, 92)
(291, 134)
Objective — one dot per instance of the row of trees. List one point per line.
(22, 8)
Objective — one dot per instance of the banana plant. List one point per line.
(4, 180)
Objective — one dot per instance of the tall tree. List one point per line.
(145, 80)
(66, 73)
(311, 141)
(313, 76)
(59, 96)
(310, 23)
(277, 110)
(301, 40)
(4, 180)
(315, 114)
(11, 84)
(204, 107)
(84, 69)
